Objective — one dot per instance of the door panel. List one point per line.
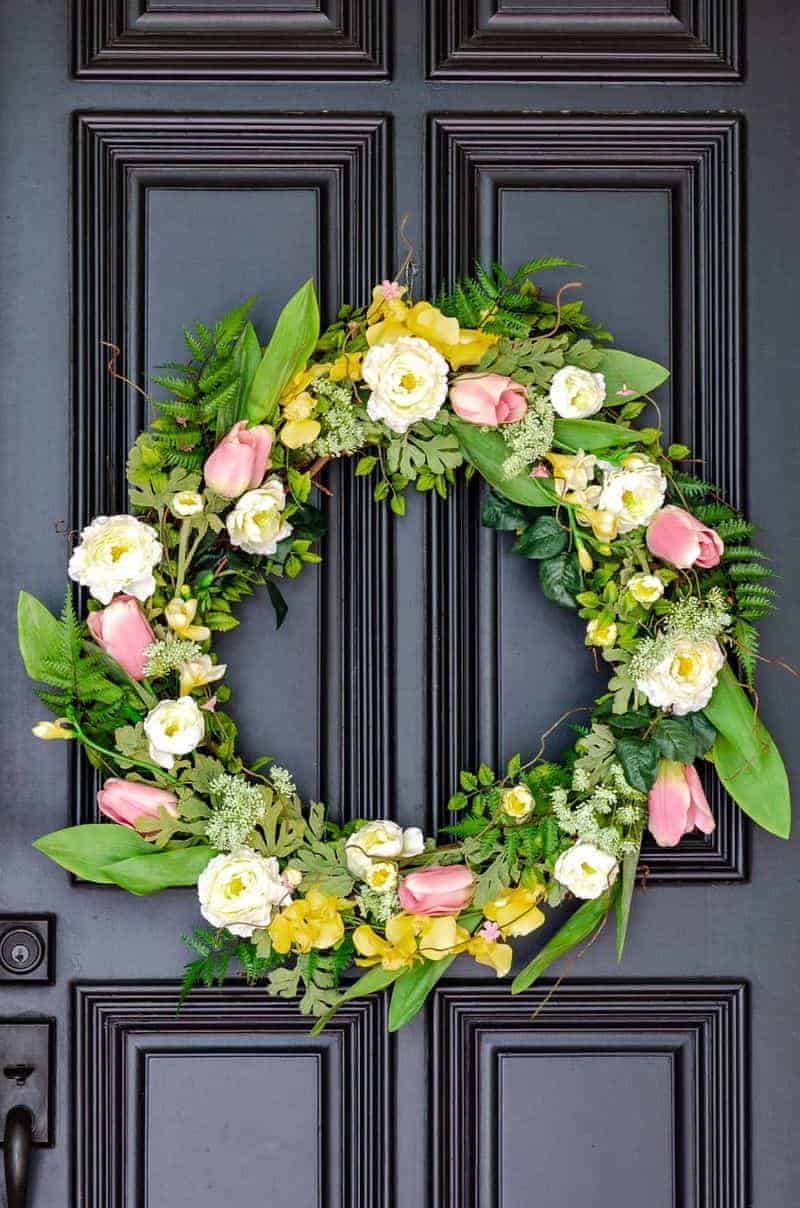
(625, 134)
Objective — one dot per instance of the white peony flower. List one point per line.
(645, 589)
(173, 727)
(381, 840)
(577, 393)
(633, 493)
(238, 891)
(585, 870)
(116, 554)
(408, 379)
(684, 680)
(256, 524)
(186, 503)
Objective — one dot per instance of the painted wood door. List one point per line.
(164, 160)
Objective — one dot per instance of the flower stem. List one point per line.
(115, 756)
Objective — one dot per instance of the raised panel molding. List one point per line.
(333, 40)
(344, 160)
(688, 41)
(696, 159)
(120, 1029)
(700, 1028)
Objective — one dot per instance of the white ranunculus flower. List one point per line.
(633, 493)
(408, 379)
(577, 393)
(238, 891)
(256, 524)
(116, 554)
(685, 678)
(173, 727)
(381, 840)
(585, 870)
(381, 875)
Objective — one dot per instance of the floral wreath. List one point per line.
(493, 379)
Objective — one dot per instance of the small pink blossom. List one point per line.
(540, 471)
(390, 289)
(211, 704)
(490, 931)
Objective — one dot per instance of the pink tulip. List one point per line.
(488, 399)
(239, 461)
(123, 631)
(677, 804)
(125, 800)
(678, 537)
(437, 890)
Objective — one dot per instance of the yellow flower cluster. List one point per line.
(314, 921)
(391, 318)
(410, 937)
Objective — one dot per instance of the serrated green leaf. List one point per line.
(639, 759)
(560, 579)
(543, 539)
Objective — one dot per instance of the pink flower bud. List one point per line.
(125, 800)
(123, 631)
(488, 399)
(434, 891)
(239, 461)
(678, 537)
(677, 804)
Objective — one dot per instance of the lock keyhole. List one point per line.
(21, 950)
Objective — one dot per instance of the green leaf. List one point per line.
(675, 739)
(487, 451)
(90, 850)
(157, 870)
(246, 356)
(704, 733)
(39, 634)
(278, 603)
(747, 761)
(376, 978)
(628, 376)
(639, 759)
(543, 539)
(560, 579)
(292, 343)
(500, 513)
(592, 434)
(580, 925)
(624, 897)
(411, 990)
(365, 465)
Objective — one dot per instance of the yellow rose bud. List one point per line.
(645, 589)
(603, 524)
(601, 633)
(517, 802)
(180, 614)
(585, 558)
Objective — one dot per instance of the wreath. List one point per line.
(492, 379)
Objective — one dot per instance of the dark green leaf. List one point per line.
(543, 539)
(704, 732)
(639, 759)
(500, 513)
(580, 925)
(278, 602)
(675, 739)
(246, 356)
(560, 579)
(747, 761)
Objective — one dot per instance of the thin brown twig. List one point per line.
(598, 929)
(567, 285)
(116, 352)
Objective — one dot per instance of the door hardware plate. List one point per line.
(27, 1048)
(27, 949)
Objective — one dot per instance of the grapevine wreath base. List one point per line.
(494, 380)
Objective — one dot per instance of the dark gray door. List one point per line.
(164, 160)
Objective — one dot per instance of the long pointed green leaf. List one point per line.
(246, 358)
(746, 759)
(376, 978)
(622, 902)
(411, 990)
(39, 635)
(628, 376)
(292, 343)
(592, 434)
(486, 450)
(580, 925)
(153, 871)
(89, 850)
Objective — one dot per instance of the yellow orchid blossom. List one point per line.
(461, 346)
(603, 524)
(397, 951)
(314, 921)
(492, 953)
(348, 365)
(515, 911)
